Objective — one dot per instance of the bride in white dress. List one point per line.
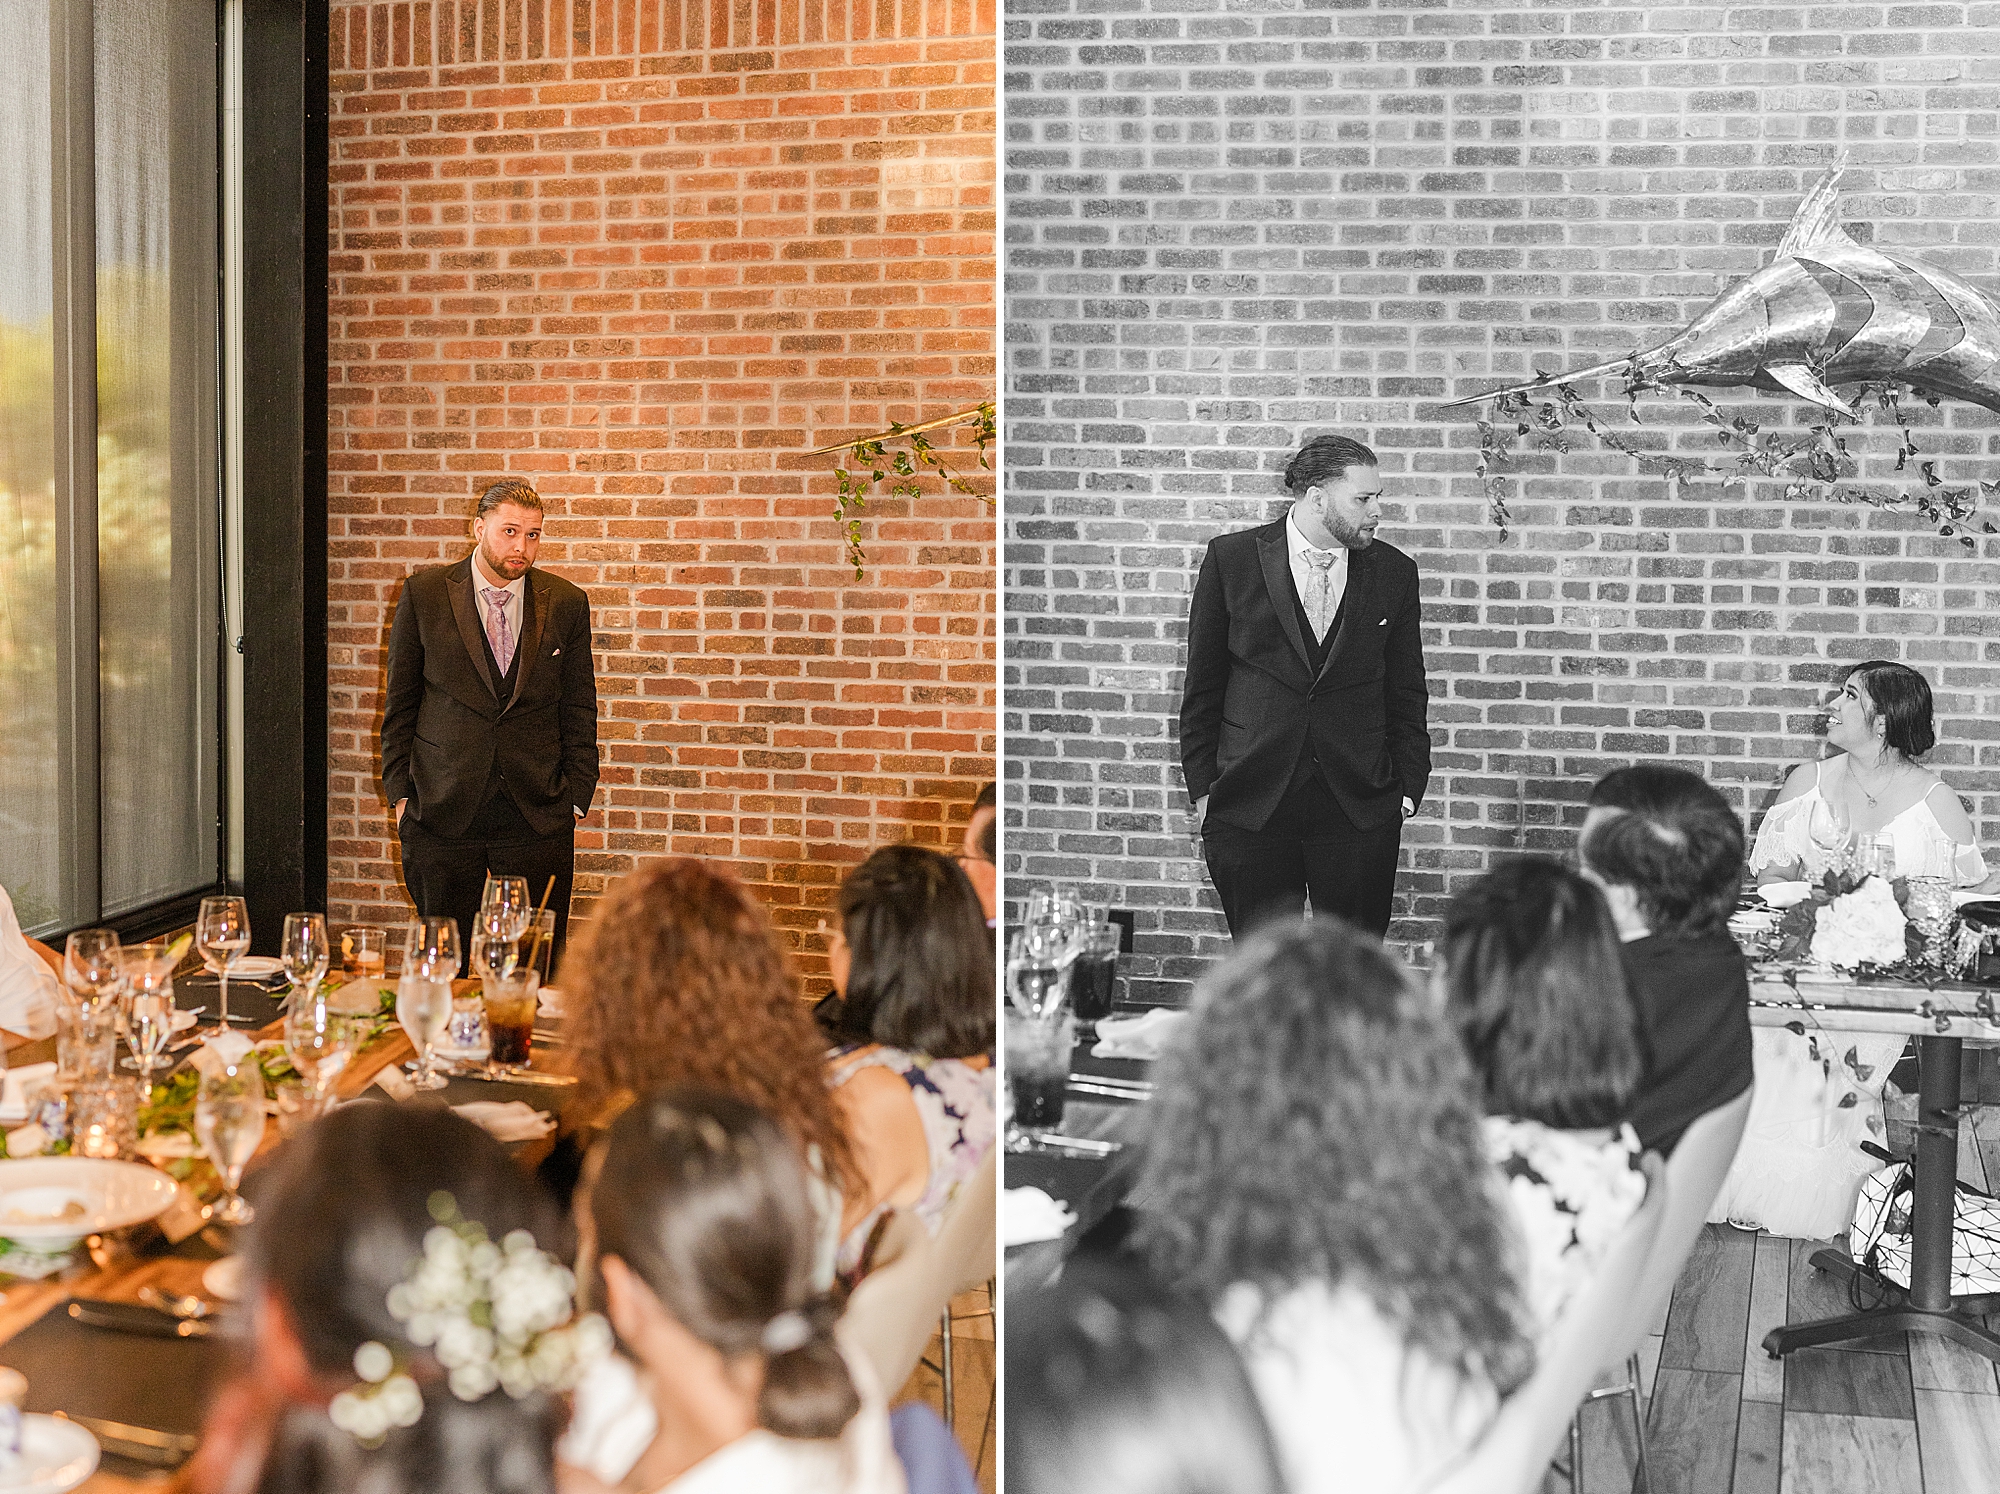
(1819, 1095)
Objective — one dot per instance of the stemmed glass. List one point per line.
(1826, 825)
(1035, 965)
(305, 953)
(149, 1007)
(321, 1044)
(504, 909)
(93, 968)
(423, 994)
(222, 934)
(229, 1122)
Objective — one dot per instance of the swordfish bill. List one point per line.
(1825, 311)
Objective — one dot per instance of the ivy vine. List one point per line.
(1814, 464)
(875, 462)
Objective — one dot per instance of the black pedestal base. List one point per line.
(1961, 1323)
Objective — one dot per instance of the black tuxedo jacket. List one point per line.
(1252, 701)
(446, 727)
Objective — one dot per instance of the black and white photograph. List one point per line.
(1500, 785)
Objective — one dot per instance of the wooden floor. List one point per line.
(972, 1384)
(1902, 1414)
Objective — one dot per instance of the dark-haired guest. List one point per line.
(702, 1231)
(979, 853)
(913, 968)
(1315, 1173)
(1880, 720)
(342, 1390)
(1533, 982)
(1118, 1387)
(1668, 852)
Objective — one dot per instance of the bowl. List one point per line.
(1785, 894)
(49, 1203)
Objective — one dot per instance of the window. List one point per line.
(110, 739)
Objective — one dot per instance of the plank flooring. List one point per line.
(1899, 1414)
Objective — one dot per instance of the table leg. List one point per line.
(1929, 1307)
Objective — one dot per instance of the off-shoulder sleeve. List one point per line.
(1782, 838)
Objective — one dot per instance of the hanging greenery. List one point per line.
(904, 464)
(1815, 464)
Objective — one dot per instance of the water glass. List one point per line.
(304, 951)
(1093, 978)
(229, 1123)
(1038, 1056)
(1878, 856)
(1035, 969)
(538, 946)
(149, 1006)
(423, 1006)
(86, 1042)
(320, 1044)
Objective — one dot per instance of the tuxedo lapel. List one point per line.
(1276, 560)
(536, 596)
(1355, 603)
(458, 586)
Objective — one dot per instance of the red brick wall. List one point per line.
(1230, 228)
(648, 256)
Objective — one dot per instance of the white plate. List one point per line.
(56, 1455)
(256, 967)
(223, 1280)
(1785, 894)
(37, 1195)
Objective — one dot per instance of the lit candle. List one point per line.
(99, 1142)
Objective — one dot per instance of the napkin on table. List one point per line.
(1143, 1037)
(1028, 1215)
(512, 1120)
(14, 1099)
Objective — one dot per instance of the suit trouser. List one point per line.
(1308, 847)
(446, 875)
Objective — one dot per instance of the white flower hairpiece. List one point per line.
(495, 1316)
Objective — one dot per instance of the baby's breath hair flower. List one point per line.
(495, 1317)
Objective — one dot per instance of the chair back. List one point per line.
(894, 1310)
(1594, 1330)
(1695, 1174)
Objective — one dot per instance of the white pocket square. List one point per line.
(1383, 623)
(558, 651)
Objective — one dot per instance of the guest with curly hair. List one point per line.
(1532, 981)
(681, 979)
(913, 970)
(1316, 1173)
(697, 1215)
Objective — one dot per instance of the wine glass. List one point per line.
(1828, 829)
(93, 967)
(321, 1044)
(504, 908)
(229, 1122)
(423, 1006)
(494, 956)
(222, 934)
(305, 952)
(434, 952)
(149, 1007)
(1035, 969)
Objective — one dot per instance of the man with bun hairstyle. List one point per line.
(1304, 738)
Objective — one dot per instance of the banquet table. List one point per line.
(118, 1268)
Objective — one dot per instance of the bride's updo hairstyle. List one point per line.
(1325, 459)
(704, 1199)
(1901, 699)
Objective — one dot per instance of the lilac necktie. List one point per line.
(497, 632)
(1321, 605)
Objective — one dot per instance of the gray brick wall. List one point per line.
(1233, 226)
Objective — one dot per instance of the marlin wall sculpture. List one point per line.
(1825, 311)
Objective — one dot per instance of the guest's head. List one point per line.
(1118, 1387)
(981, 842)
(1885, 703)
(1337, 487)
(680, 979)
(507, 527)
(343, 1215)
(913, 957)
(1534, 984)
(704, 1235)
(1667, 841)
(1318, 1121)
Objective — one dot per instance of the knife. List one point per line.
(131, 1317)
(139, 1444)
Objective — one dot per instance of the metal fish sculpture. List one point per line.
(1825, 311)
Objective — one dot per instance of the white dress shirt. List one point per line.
(29, 990)
(1296, 544)
(481, 584)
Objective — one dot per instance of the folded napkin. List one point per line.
(14, 1098)
(512, 1120)
(1145, 1037)
(550, 1004)
(167, 1146)
(1028, 1215)
(184, 1020)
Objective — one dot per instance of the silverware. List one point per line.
(140, 1444)
(130, 1317)
(174, 1302)
(1109, 1091)
(1050, 1141)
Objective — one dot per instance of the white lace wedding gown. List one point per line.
(1819, 1094)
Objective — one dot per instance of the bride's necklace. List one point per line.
(1854, 773)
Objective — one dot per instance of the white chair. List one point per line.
(1695, 1175)
(1594, 1330)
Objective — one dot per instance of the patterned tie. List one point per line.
(1321, 604)
(497, 632)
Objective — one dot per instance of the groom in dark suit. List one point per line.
(489, 740)
(1303, 732)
